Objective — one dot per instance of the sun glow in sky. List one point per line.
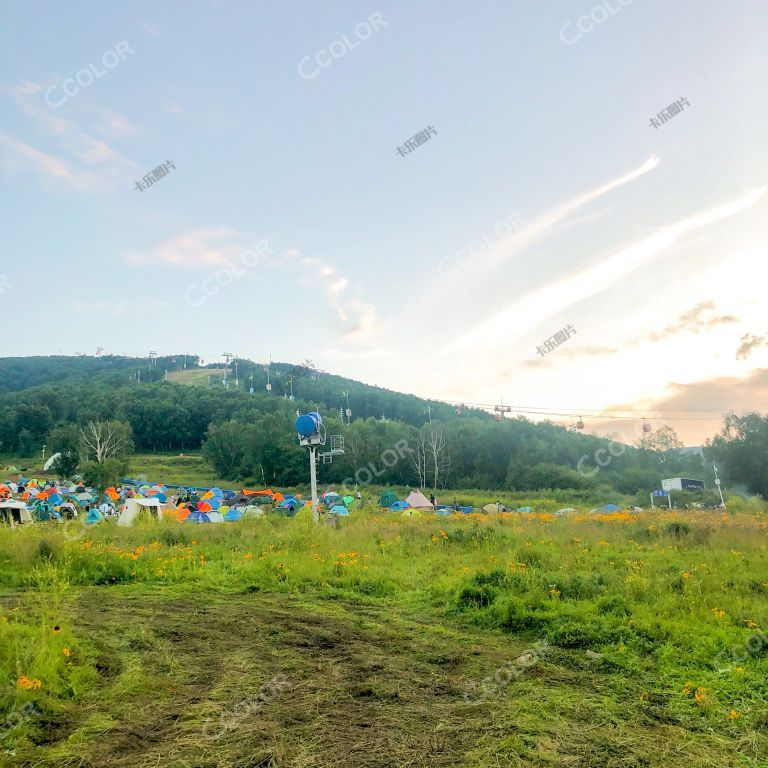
(287, 223)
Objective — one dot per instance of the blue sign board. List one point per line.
(660, 493)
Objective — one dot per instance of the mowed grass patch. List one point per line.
(362, 685)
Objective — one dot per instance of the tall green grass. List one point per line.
(658, 600)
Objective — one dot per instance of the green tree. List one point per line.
(741, 449)
(663, 439)
(102, 474)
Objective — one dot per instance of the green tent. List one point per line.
(387, 499)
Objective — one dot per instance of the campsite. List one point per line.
(383, 385)
(169, 607)
(212, 627)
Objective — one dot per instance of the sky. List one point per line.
(483, 203)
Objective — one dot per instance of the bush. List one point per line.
(475, 596)
(568, 633)
(678, 530)
(513, 615)
(171, 537)
(615, 605)
(45, 550)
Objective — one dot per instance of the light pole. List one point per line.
(251, 380)
(719, 487)
(44, 453)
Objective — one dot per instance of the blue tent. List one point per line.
(398, 505)
(610, 508)
(233, 516)
(42, 511)
(466, 510)
(525, 509)
(340, 510)
(94, 516)
(197, 517)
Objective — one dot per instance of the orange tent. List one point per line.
(265, 492)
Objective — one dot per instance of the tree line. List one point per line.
(249, 438)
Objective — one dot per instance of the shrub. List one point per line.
(475, 596)
(46, 550)
(678, 530)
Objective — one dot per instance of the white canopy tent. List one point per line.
(417, 500)
(134, 507)
(14, 512)
(51, 461)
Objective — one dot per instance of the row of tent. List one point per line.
(27, 500)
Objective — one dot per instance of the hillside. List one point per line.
(249, 436)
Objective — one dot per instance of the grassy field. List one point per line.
(198, 378)
(175, 468)
(515, 640)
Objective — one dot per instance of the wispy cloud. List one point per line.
(113, 123)
(218, 246)
(538, 227)
(360, 321)
(522, 315)
(749, 343)
(46, 163)
(695, 320)
(203, 247)
(88, 162)
(119, 308)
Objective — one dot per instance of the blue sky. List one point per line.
(649, 242)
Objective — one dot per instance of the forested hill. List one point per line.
(308, 386)
(250, 435)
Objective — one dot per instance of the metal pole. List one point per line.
(313, 482)
(719, 487)
(653, 506)
(669, 498)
